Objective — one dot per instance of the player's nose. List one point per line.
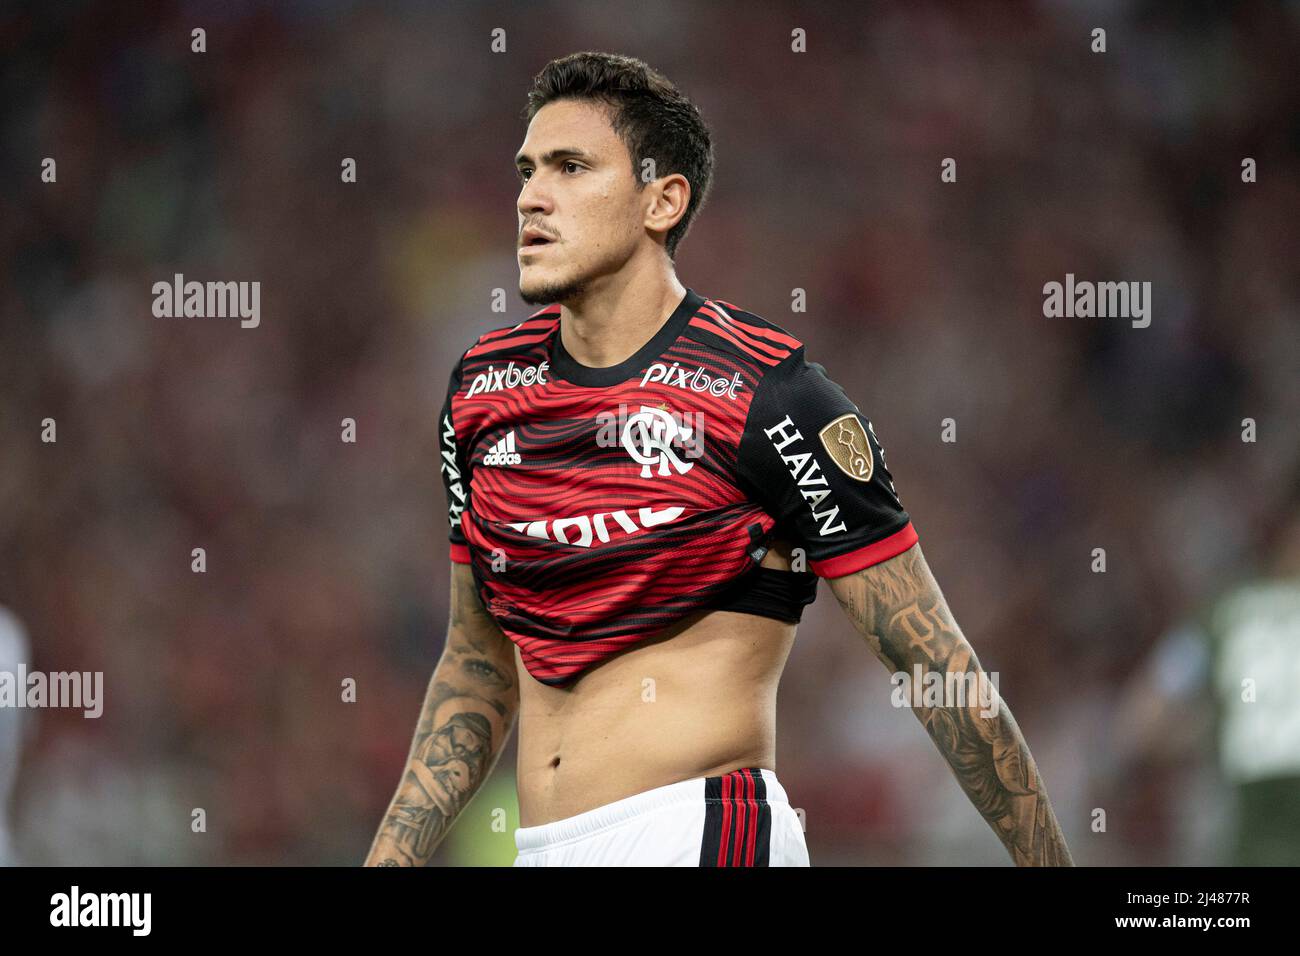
(534, 198)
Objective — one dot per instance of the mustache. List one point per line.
(545, 232)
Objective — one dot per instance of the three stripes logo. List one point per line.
(503, 452)
(737, 820)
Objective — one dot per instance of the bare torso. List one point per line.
(697, 700)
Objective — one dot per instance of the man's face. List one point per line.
(578, 191)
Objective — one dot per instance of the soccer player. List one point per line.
(644, 485)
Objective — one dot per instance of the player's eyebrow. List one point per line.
(550, 156)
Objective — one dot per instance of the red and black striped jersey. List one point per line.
(598, 505)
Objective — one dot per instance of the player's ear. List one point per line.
(671, 195)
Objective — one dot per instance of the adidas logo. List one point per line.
(503, 452)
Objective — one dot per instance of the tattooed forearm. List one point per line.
(901, 613)
(469, 616)
(468, 712)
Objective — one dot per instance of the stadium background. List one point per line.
(328, 560)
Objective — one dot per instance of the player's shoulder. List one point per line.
(506, 341)
(500, 349)
(786, 374)
(728, 327)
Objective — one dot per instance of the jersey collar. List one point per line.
(565, 366)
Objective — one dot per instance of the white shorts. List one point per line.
(742, 818)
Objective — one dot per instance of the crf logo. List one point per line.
(648, 437)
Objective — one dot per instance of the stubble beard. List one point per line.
(550, 292)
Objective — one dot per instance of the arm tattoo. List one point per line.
(468, 712)
(470, 617)
(899, 610)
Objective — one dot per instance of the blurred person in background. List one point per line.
(1226, 681)
(14, 650)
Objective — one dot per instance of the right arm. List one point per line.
(469, 711)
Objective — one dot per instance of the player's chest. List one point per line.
(592, 448)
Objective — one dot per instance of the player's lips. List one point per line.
(533, 238)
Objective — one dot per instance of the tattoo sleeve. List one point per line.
(899, 610)
(469, 711)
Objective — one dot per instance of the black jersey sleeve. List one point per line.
(455, 471)
(812, 459)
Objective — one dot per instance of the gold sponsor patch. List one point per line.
(847, 444)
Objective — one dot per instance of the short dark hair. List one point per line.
(652, 118)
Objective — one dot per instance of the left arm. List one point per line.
(898, 609)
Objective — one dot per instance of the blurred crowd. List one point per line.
(226, 736)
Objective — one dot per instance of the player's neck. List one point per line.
(618, 316)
